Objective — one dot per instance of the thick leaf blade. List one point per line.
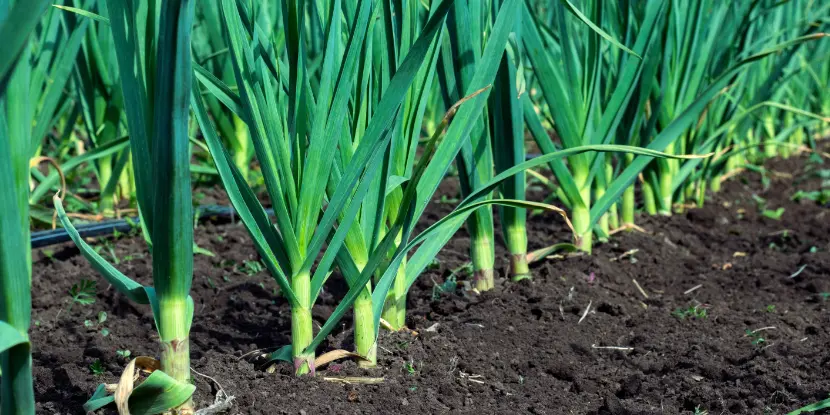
(159, 393)
(11, 337)
(15, 29)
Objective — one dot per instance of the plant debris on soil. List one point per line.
(728, 314)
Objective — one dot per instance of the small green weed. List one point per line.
(202, 251)
(130, 257)
(769, 213)
(755, 338)
(700, 411)
(773, 214)
(97, 367)
(692, 312)
(135, 227)
(95, 325)
(82, 293)
(409, 367)
(447, 287)
(819, 196)
(434, 264)
(251, 268)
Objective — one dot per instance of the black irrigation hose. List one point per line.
(108, 227)
(56, 236)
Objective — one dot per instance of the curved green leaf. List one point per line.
(812, 407)
(159, 393)
(133, 290)
(84, 13)
(571, 8)
(99, 399)
(155, 395)
(219, 89)
(283, 353)
(10, 337)
(541, 253)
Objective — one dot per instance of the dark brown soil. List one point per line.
(526, 347)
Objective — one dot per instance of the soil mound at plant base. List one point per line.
(730, 316)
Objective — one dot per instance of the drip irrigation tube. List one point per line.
(41, 239)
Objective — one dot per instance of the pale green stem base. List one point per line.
(666, 193)
(365, 341)
(394, 310)
(302, 332)
(581, 220)
(715, 183)
(519, 268)
(649, 199)
(701, 192)
(301, 336)
(770, 149)
(483, 257)
(175, 359)
(175, 345)
(604, 222)
(175, 362)
(613, 217)
(106, 204)
(665, 176)
(516, 239)
(581, 213)
(628, 206)
(796, 141)
(484, 279)
(125, 181)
